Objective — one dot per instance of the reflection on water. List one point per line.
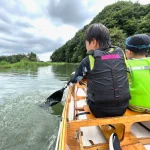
(63, 71)
(23, 124)
(33, 71)
(57, 109)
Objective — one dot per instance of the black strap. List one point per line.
(83, 113)
(115, 82)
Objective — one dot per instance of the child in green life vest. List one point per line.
(137, 47)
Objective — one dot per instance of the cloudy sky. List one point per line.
(41, 26)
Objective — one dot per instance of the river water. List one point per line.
(23, 124)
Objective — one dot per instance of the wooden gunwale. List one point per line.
(63, 135)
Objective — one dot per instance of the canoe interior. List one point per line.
(85, 132)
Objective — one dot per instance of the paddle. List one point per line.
(54, 98)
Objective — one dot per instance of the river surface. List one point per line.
(23, 124)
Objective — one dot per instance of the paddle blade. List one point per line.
(55, 98)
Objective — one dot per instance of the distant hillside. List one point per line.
(122, 18)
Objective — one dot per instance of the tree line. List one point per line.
(19, 57)
(123, 19)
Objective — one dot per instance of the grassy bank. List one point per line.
(25, 64)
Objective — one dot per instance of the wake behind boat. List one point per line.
(80, 130)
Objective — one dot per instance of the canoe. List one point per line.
(80, 130)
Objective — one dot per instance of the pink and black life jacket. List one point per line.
(107, 78)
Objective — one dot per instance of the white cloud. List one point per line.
(66, 32)
(45, 28)
(45, 56)
(31, 6)
(141, 1)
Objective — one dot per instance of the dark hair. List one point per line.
(100, 33)
(138, 44)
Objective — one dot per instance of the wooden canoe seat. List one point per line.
(128, 140)
(107, 130)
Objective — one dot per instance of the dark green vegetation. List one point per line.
(19, 57)
(22, 61)
(122, 18)
(23, 64)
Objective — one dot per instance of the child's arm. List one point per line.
(81, 71)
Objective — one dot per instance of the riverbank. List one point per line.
(26, 64)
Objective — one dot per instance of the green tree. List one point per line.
(32, 56)
(121, 18)
(118, 37)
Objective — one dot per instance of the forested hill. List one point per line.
(122, 18)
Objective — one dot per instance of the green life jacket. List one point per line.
(139, 84)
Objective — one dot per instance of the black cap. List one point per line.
(139, 42)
